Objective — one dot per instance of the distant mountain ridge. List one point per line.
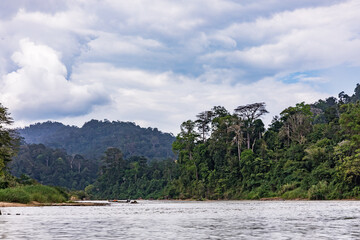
(94, 137)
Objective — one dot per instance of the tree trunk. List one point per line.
(288, 132)
(197, 174)
(71, 162)
(248, 140)
(239, 150)
(252, 147)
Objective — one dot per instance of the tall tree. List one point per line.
(343, 98)
(348, 151)
(218, 115)
(297, 123)
(184, 145)
(236, 128)
(356, 96)
(350, 122)
(249, 113)
(185, 140)
(8, 139)
(203, 123)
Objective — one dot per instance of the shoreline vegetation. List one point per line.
(94, 203)
(308, 152)
(33, 193)
(37, 204)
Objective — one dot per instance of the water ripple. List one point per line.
(187, 220)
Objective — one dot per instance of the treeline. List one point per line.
(68, 156)
(111, 176)
(94, 137)
(23, 189)
(54, 167)
(135, 177)
(309, 151)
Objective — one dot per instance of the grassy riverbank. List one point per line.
(33, 193)
(37, 204)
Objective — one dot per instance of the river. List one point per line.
(186, 220)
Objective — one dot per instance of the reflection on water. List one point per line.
(187, 220)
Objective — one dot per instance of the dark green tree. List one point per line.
(8, 139)
(249, 113)
(203, 123)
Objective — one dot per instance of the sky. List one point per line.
(159, 63)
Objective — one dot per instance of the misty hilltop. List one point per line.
(94, 137)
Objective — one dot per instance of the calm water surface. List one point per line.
(187, 220)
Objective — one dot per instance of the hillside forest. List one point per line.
(309, 151)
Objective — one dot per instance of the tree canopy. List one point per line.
(309, 151)
(94, 137)
(8, 139)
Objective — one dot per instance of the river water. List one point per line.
(186, 220)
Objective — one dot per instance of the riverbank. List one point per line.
(37, 204)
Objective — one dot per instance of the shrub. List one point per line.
(318, 191)
(26, 194)
(17, 195)
(288, 187)
(294, 194)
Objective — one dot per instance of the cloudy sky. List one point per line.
(158, 63)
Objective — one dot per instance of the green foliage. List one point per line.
(297, 193)
(14, 195)
(287, 187)
(318, 191)
(94, 137)
(26, 180)
(350, 122)
(7, 180)
(134, 177)
(79, 195)
(8, 140)
(27, 194)
(311, 151)
(53, 167)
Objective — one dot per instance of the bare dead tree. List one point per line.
(236, 127)
(295, 129)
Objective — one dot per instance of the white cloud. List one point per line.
(161, 62)
(66, 32)
(305, 78)
(165, 100)
(40, 88)
(108, 44)
(74, 20)
(303, 39)
(169, 17)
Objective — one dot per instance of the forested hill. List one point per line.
(309, 151)
(94, 137)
